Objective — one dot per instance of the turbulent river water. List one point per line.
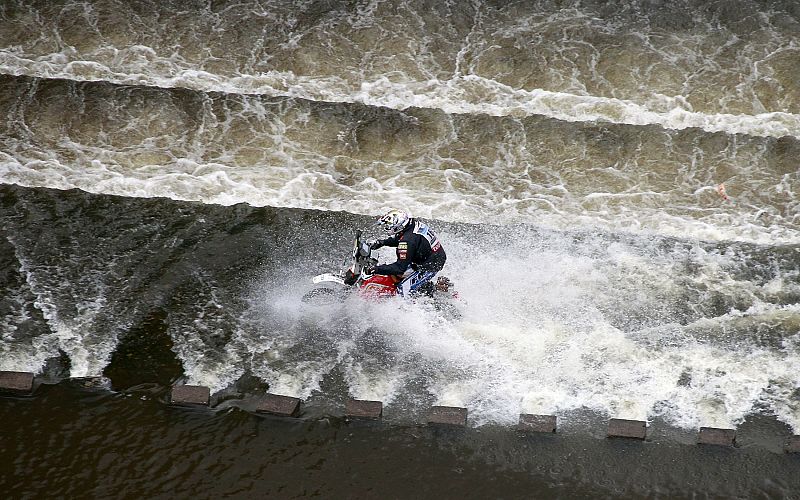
(173, 173)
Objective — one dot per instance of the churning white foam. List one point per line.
(75, 332)
(18, 350)
(535, 335)
(297, 184)
(461, 94)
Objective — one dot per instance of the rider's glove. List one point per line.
(375, 245)
(350, 278)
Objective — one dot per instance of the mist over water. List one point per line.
(568, 153)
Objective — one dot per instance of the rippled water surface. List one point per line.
(173, 173)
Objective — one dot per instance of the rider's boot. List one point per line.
(426, 289)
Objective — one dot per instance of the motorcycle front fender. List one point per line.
(328, 278)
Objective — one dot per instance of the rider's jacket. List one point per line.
(417, 246)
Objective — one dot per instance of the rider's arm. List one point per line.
(398, 267)
(391, 241)
(404, 255)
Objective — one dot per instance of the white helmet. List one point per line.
(394, 221)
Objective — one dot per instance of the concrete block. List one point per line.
(16, 382)
(537, 423)
(283, 406)
(448, 415)
(622, 428)
(793, 446)
(190, 395)
(357, 408)
(715, 436)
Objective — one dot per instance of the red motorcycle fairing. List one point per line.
(379, 285)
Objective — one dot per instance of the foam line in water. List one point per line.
(320, 191)
(465, 94)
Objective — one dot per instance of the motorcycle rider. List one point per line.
(420, 254)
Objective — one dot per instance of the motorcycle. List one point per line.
(330, 288)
